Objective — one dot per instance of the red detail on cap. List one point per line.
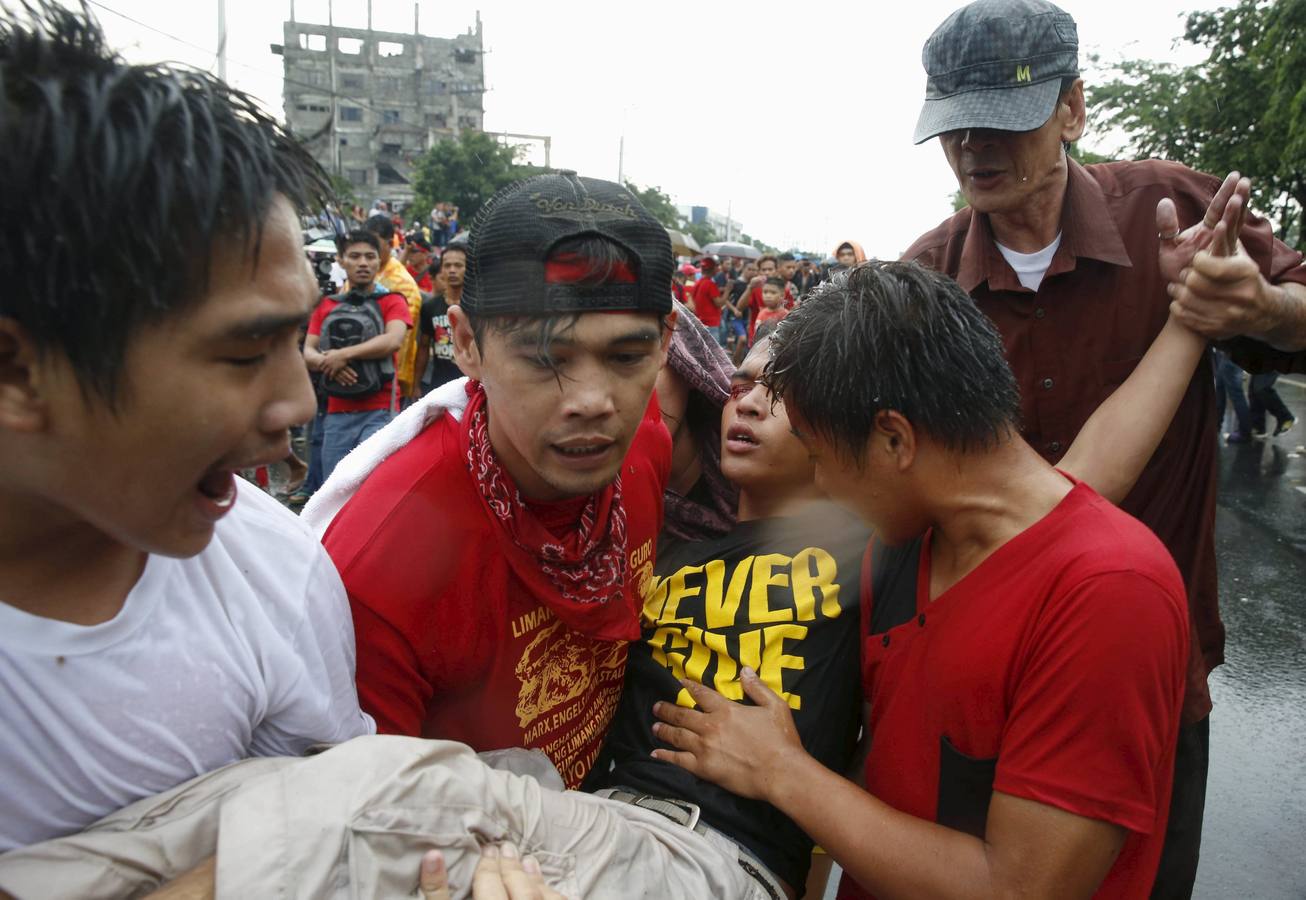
(569, 268)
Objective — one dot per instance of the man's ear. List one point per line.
(466, 352)
(896, 438)
(22, 404)
(668, 332)
(1074, 113)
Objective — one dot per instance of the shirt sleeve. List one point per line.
(394, 307)
(1095, 708)
(311, 694)
(315, 320)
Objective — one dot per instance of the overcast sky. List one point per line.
(795, 116)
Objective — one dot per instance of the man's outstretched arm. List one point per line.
(1030, 849)
(1113, 447)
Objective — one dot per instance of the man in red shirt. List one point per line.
(496, 540)
(353, 413)
(1078, 267)
(1025, 640)
(707, 296)
(418, 256)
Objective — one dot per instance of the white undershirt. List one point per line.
(1031, 267)
(244, 650)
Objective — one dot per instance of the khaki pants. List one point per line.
(354, 821)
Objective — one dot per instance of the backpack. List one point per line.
(357, 318)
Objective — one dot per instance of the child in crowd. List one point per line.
(773, 301)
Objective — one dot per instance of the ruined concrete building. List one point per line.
(372, 102)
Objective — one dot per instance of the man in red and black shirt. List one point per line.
(353, 417)
(1024, 639)
(496, 549)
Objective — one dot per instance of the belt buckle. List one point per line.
(690, 810)
(694, 813)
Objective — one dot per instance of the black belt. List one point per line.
(682, 812)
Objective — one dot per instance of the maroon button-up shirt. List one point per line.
(1071, 343)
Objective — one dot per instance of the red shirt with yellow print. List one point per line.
(452, 643)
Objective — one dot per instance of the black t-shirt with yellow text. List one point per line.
(781, 596)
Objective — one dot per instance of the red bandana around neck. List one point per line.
(580, 576)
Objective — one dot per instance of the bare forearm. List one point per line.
(888, 852)
(379, 347)
(423, 358)
(1289, 314)
(1113, 447)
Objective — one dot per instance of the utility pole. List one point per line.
(222, 38)
(621, 150)
(331, 70)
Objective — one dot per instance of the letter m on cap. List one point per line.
(1022, 73)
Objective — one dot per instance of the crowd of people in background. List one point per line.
(733, 295)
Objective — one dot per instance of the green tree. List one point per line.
(467, 170)
(702, 233)
(344, 192)
(1242, 108)
(658, 204)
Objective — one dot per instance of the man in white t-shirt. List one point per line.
(158, 619)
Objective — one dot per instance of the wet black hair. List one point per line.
(358, 236)
(381, 226)
(118, 183)
(893, 336)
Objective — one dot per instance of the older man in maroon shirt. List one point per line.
(1078, 266)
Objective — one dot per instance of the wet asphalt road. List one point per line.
(1254, 837)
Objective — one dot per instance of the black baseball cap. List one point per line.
(997, 64)
(517, 229)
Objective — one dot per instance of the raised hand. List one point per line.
(1177, 248)
(1221, 292)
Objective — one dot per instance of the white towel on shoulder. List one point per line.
(353, 470)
